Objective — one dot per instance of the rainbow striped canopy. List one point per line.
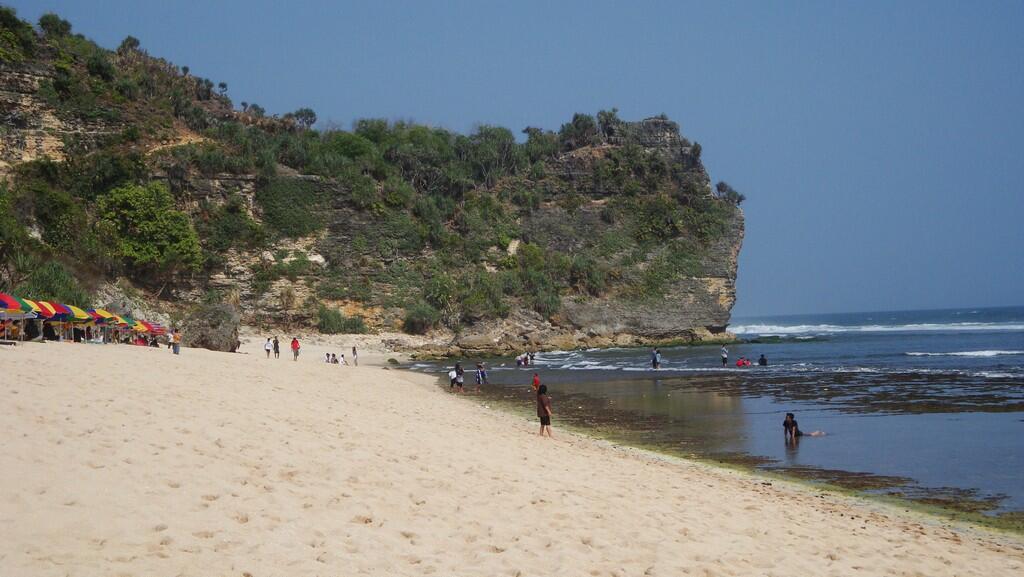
(76, 314)
(102, 316)
(12, 304)
(50, 310)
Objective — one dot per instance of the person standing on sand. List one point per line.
(355, 357)
(268, 346)
(277, 348)
(481, 376)
(295, 348)
(460, 379)
(725, 355)
(176, 339)
(544, 410)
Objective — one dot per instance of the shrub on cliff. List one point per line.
(152, 236)
(17, 39)
(420, 318)
(332, 322)
(580, 132)
(291, 207)
(52, 281)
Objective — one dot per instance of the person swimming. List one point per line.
(792, 429)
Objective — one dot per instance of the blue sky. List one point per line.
(880, 145)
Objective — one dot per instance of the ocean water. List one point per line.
(922, 404)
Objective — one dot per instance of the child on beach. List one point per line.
(536, 382)
(544, 410)
(481, 376)
(452, 377)
(792, 430)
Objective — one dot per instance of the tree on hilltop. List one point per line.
(54, 26)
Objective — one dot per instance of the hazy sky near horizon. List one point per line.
(880, 144)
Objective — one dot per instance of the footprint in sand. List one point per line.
(203, 534)
(241, 518)
(211, 497)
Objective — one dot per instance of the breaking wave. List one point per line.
(967, 354)
(762, 329)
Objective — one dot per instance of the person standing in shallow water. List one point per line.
(725, 356)
(544, 410)
(655, 359)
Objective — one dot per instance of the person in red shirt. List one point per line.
(536, 382)
(295, 348)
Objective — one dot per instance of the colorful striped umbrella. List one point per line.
(51, 310)
(102, 316)
(13, 304)
(76, 314)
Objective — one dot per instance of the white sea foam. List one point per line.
(968, 354)
(777, 330)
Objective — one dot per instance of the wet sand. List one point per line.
(120, 460)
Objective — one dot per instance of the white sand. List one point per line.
(119, 460)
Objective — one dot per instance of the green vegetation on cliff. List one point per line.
(449, 228)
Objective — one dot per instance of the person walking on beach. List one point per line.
(268, 346)
(725, 356)
(655, 358)
(544, 410)
(277, 348)
(176, 339)
(295, 348)
(355, 357)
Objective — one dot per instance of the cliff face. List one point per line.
(606, 232)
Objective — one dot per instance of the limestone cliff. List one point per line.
(604, 232)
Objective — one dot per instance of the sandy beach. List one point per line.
(120, 460)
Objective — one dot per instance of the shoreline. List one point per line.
(1011, 522)
(211, 463)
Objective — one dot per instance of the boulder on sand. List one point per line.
(213, 327)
